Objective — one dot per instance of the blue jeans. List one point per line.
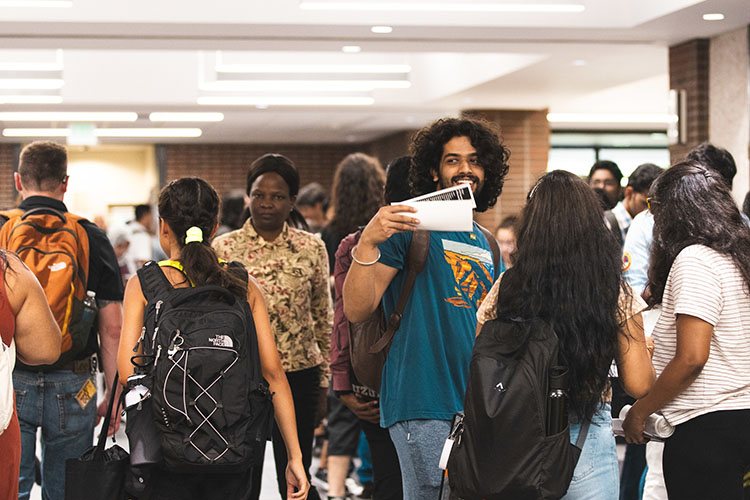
(48, 400)
(418, 445)
(596, 476)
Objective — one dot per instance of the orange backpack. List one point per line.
(56, 248)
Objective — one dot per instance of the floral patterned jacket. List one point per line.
(293, 272)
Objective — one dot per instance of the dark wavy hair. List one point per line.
(357, 192)
(188, 202)
(567, 270)
(693, 205)
(427, 151)
(284, 167)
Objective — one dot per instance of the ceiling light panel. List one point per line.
(30, 99)
(68, 116)
(31, 83)
(106, 132)
(36, 3)
(286, 100)
(186, 117)
(313, 68)
(304, 85)
(442, 6)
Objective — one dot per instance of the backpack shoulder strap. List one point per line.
(152, 279)
(582, 434)
(419, 248)
(494, 247)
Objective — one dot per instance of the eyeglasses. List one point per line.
(650, 202)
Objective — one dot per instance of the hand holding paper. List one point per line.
(449, 209)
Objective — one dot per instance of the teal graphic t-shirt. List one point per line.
(428, 364)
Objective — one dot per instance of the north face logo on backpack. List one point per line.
(57, 266)
(221, 341)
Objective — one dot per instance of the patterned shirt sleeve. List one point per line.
(322, 310)
(488, 310)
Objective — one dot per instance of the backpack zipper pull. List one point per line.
(174, 346)
(141, 340)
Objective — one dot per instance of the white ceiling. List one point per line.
(147, 56)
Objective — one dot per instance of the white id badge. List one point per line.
(447, 447)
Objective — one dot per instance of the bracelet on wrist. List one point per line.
(364, 263)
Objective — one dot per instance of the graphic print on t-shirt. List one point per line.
(471, 268)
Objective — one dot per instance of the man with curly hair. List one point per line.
(427, 367)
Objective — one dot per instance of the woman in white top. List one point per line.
(700, 272)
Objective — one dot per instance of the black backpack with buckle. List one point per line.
(210, 403)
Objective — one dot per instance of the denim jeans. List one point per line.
(48, 400)
(418, 445)
(596, 476)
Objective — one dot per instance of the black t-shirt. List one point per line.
(104, 273)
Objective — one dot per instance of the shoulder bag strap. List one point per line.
(582, 434)
(494, 247)
(105, 425)
(418, 251)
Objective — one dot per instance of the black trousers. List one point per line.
(386, 470)
(305, 386)
(707, 456)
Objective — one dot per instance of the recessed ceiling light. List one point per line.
(285, 101)
(713, 17)
(186, 117)
(610, 117)
(30, 99)
(313, 68)
(261, 106)
(381, 29)
(351, 49)
(67, 116)
(443, 6)
(36, 3)
(579, 62)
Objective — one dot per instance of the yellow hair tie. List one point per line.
(193, 234)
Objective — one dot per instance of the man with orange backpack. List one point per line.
(77, 268)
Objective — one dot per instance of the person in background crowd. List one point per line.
(232, 213)
(26, 319)
(141, 229)
(700, 274)
(638, 242)
(58, 399)
(291, 266)
(425, 374)
(187, 204)
(634, 198)
(567, 271)
(505, 234)
(119, 237)
(312, 203)
(606, 175)
(357, 194)
(357, 398)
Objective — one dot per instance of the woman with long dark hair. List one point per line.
(700, 274)
(190, 206)
(292, 267)
(567, 271)
(357, 194)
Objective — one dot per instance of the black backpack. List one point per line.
(210, 402)
(502, 450)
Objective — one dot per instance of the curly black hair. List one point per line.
(427, 151)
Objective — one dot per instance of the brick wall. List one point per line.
(225, 165)
(8, 164)
(526, 134)
(390, 147)
(689, 71)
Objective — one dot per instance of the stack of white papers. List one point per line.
(449, 209)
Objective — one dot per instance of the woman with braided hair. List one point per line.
(189, 211)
